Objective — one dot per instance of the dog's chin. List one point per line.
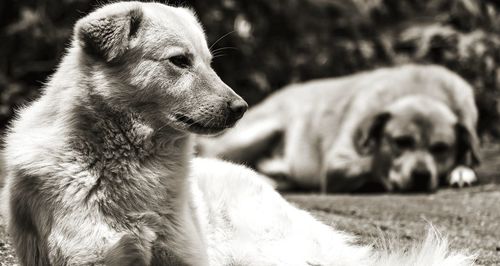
(191, 125)
(409, 187)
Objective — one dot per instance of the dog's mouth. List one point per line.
(200, 127)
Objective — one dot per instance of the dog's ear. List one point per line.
(369, 132)
(107, 34)
(467, 144)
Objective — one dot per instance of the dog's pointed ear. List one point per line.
(369, 132)
(107, 34)
(467, 144)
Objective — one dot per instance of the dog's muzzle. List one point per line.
(236, 110)
(421, 180)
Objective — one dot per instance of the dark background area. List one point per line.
(272, 43)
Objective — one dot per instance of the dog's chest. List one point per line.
(120, 166)
(118, 177)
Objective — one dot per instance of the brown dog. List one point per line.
(404, 128)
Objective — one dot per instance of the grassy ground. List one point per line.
(470, 217)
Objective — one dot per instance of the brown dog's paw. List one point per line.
(462, 176)
(276, 168)
(338, 181)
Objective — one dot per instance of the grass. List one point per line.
(468, 217)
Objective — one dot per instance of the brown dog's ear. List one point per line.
(369, 132)
(106, 34)
(467, 144)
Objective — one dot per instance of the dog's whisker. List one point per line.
(225, 48)
(215, 52)
(218, 56)
(162, 127)
(209, 122)
(220, 38)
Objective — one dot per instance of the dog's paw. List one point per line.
(462, 176)
(275, 168)
(129, 251)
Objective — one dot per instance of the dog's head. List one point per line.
(154, 59)
(415, 143)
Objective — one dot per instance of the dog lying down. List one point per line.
(404, 128)
(100, 170)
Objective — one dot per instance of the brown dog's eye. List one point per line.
(439, 148)
(404, 142)
(180, 61)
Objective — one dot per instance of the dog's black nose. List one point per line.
(421, 179)
(237, 109)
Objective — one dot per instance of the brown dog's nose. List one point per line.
(421, 179)
(237, 109)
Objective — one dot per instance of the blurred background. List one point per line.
(263, 45)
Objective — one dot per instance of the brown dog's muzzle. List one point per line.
(421, 179)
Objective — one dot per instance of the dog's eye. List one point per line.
(404, 142)
(439, 148)
(180, 61)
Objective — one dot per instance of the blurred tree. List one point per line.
(262, 45)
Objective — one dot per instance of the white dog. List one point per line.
(100, 172)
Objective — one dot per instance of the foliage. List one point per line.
(272, 43)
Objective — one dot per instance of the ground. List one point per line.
(469, 217)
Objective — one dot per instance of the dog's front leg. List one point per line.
(132, 250)
(152, 243)
(341, 174)
(179, 241)
(135, 248)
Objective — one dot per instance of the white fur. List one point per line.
(462, 176)
(248, 223)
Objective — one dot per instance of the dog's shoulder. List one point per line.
(439, 75)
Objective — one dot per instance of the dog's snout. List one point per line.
(237, 109)
(421, 179)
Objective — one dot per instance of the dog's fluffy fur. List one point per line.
(403, 127)
(100, 172)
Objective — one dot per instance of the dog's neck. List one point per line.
(138, 167)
